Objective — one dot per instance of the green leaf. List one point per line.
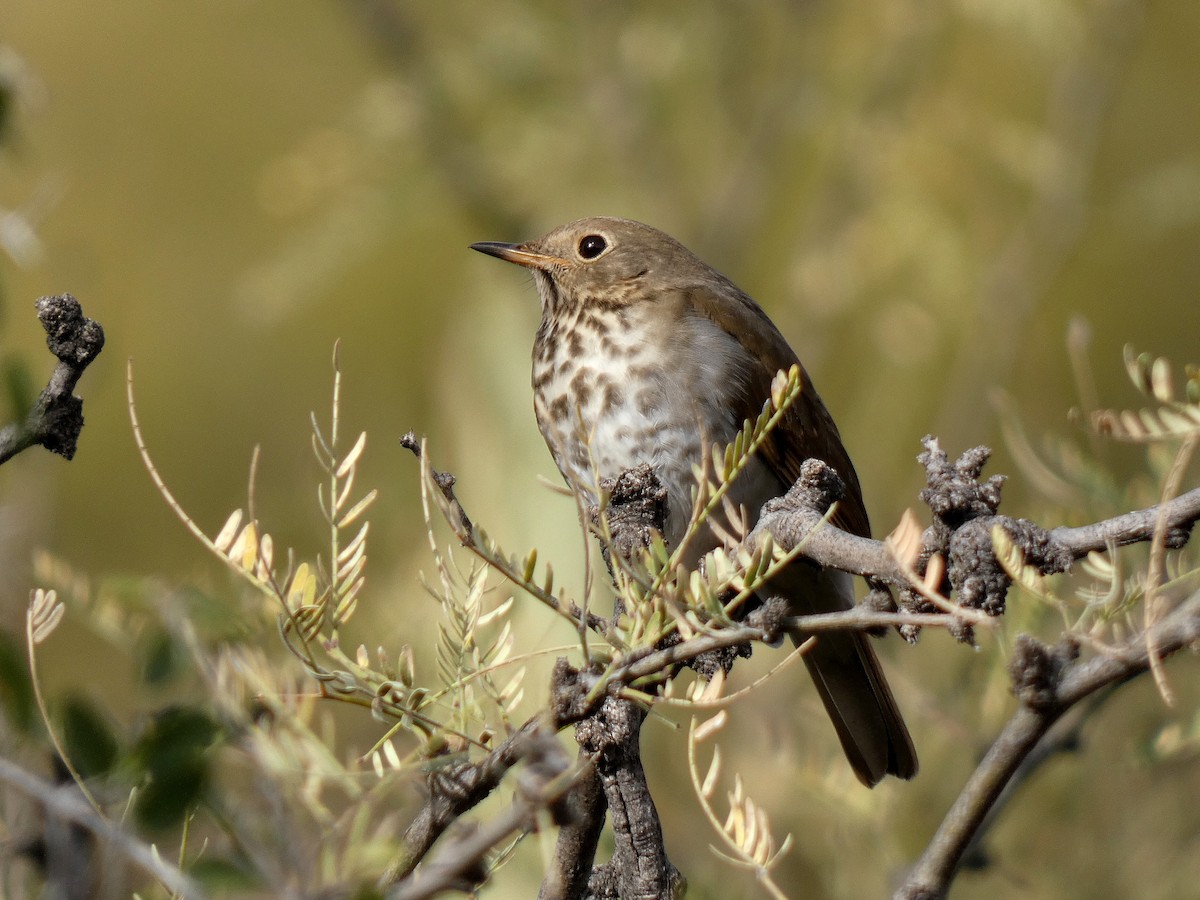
(168, 796)
(87, 737)
(219, 874)
(159, 658)
(173, 753)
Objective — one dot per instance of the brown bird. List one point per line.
(645, 354)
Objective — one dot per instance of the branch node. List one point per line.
(1036, 670)
(770, 616)
(954, 493)
(72, 337)
(56, 418)
(636, 509)
(818, 488)
(569, 689)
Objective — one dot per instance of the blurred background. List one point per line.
(958, 213)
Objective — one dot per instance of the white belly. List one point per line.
(625, 407)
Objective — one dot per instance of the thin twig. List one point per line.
(65, 804)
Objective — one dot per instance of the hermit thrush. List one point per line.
(645, 354)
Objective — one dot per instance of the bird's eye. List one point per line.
(592, 246)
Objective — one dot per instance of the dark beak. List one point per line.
(517, 253)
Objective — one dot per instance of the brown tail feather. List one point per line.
(860, 703)
(849, 679)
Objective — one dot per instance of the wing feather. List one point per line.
(808, 430)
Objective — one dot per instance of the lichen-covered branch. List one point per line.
(639, 866)
(1180, 515)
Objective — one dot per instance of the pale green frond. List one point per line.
(510, 705)
(343, 489)
(243, 553)
(714, 772)
(499, 612)
(530, 566)
(347, 602)
(710, 727)
(513, 686)
(1174, 418)
(1162, 385)
(266, 558)
(321, 448)
(352, 567)
(358, 509)
(351, 459)
(356, 545)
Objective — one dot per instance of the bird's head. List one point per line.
(600, 260)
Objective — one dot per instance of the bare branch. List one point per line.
(792, 522)
(607, 726)
(66, 803)
(1182, 513)
(578, 839)
(445, 482)
(454, 790)
(542, 785)
(964, 519)
(56, 419)
(1047, 682)
(639, 866)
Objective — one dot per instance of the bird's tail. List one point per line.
(849, 679)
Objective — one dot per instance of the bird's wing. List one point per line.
(808, 430)
(845, 669)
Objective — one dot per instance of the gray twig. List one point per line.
(66, 803)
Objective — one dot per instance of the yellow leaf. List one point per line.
(711, 726)
(904, 543)
(244, 551)
(710, 780)
(303, 589)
